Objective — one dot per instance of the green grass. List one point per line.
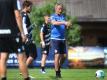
(67, 74)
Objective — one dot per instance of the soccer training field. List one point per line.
(67, 74)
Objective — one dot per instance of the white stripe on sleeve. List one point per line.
(24, 26)
(18, 4)
(41, 29)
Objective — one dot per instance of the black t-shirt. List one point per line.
(26, 20)
(45, 29)
(8, 24)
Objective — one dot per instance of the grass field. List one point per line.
(67, 74)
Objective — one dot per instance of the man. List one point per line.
(58, 28)
(11, 37)
(45, 41)
(30, 46)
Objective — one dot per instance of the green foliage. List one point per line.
(74, 33)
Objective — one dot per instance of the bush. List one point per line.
(74, 33)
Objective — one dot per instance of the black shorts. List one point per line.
(58, 46)
(11, 45)
(45, 50)
(31, 50)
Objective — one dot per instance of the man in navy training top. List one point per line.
(45, 41)
(30, 46)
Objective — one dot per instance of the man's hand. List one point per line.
(23, 37)
(43, 44)
(68, 23)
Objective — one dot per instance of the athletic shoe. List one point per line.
(58, 75)
(32, 78)
(42, 71)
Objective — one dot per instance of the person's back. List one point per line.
(8, 23)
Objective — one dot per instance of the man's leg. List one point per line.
(31, 53)
(3, 70)
(45, 52)
(55, 48)
(22, 66)
(29, 60)
(57, 65)
(43, 62)
(62, 59)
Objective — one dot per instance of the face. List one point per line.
(58, 9)
(28, 9)
(47, 18)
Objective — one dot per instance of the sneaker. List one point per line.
(32, 78)
(42, 71)
(58, 76)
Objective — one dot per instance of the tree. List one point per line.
(74, 32)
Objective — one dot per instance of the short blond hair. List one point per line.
(58, 4)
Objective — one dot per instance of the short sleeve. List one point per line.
(19, 5)
(42, 29)
(24, 20)
(63, 18)
(52, 18)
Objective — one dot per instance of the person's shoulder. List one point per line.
(63, 15)
(52, 17)
(43, 26)
(23, 14)
(53, 14)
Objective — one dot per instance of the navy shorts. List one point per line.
(58, 46)
(45, 50)
(11, 45)
(31, 50)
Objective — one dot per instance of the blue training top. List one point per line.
(58, 31)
